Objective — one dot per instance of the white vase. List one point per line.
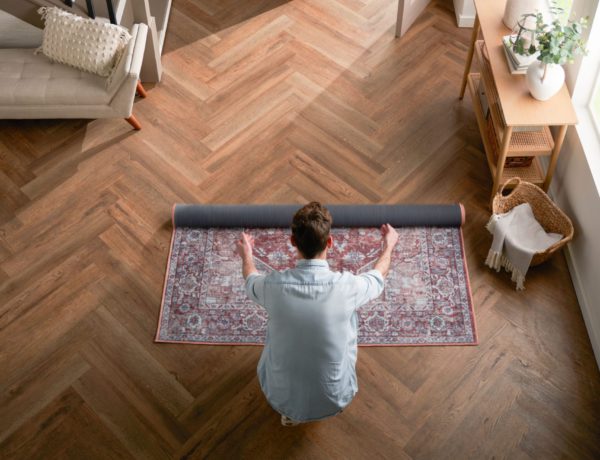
(543, 88)
(514, 9)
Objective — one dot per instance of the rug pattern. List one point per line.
(426, 300)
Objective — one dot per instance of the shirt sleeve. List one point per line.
(255, 288)
(369, 285)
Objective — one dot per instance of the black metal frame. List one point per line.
(90, 8)
(111, 11)
(92, 14)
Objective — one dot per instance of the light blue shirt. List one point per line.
(307, 367)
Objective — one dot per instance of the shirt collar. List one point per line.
(312, 263)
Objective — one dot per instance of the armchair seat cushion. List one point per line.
(29, 79)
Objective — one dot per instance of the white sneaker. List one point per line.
(286, 421)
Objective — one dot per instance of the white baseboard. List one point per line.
(464, 20)
(584, 304)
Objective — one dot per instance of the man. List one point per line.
(307, 367)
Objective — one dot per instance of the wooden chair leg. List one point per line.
(140, 89)
(134, 122)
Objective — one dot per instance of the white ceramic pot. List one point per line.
(514, 9)
(543, 88)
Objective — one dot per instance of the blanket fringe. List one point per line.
(497, 261)
(491, 224)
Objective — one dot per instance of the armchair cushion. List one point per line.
(28, 79)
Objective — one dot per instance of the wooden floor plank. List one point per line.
(65, 428)
(120, 418)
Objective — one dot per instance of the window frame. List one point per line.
(595, 111)
(583, 78)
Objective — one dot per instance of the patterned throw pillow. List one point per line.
(85, 44)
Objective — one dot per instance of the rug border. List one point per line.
(254, 344)
(469, 292)
(162, 302)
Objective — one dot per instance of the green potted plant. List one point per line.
(556, 44)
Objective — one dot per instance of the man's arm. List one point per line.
(255, 282)
(372, 282)
(248, 267)
(390, 238)
(244, 246)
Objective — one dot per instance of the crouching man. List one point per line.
(307, 367)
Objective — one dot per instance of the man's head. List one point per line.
(310, 229)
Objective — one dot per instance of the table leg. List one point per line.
(501, 161)
(470, 56)
(554, 158)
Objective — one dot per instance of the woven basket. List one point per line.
(550, 217)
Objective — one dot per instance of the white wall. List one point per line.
(15, 33)
(465, 12)
(576, 192)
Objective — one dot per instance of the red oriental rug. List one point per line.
(427, 298)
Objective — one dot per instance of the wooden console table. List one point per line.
(511, 107)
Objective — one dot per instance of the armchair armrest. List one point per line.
(130, 64)
(135, 63)
(124, 80)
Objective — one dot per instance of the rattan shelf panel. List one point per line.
(533, 173)
(531, 142)
(490, 87)
(473, 84)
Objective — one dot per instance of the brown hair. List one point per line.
(310, 227)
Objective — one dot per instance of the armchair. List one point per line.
(32, 86)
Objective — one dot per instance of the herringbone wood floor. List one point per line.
(268, 102)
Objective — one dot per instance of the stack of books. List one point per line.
(517, 63)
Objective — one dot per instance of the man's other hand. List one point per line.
(390, 236)
(245, 245)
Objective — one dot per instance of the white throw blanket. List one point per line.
(517, 237)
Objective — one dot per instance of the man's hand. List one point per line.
(390, 236)
(245, 245)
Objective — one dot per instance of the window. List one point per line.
(584, 79)
(564, 5)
